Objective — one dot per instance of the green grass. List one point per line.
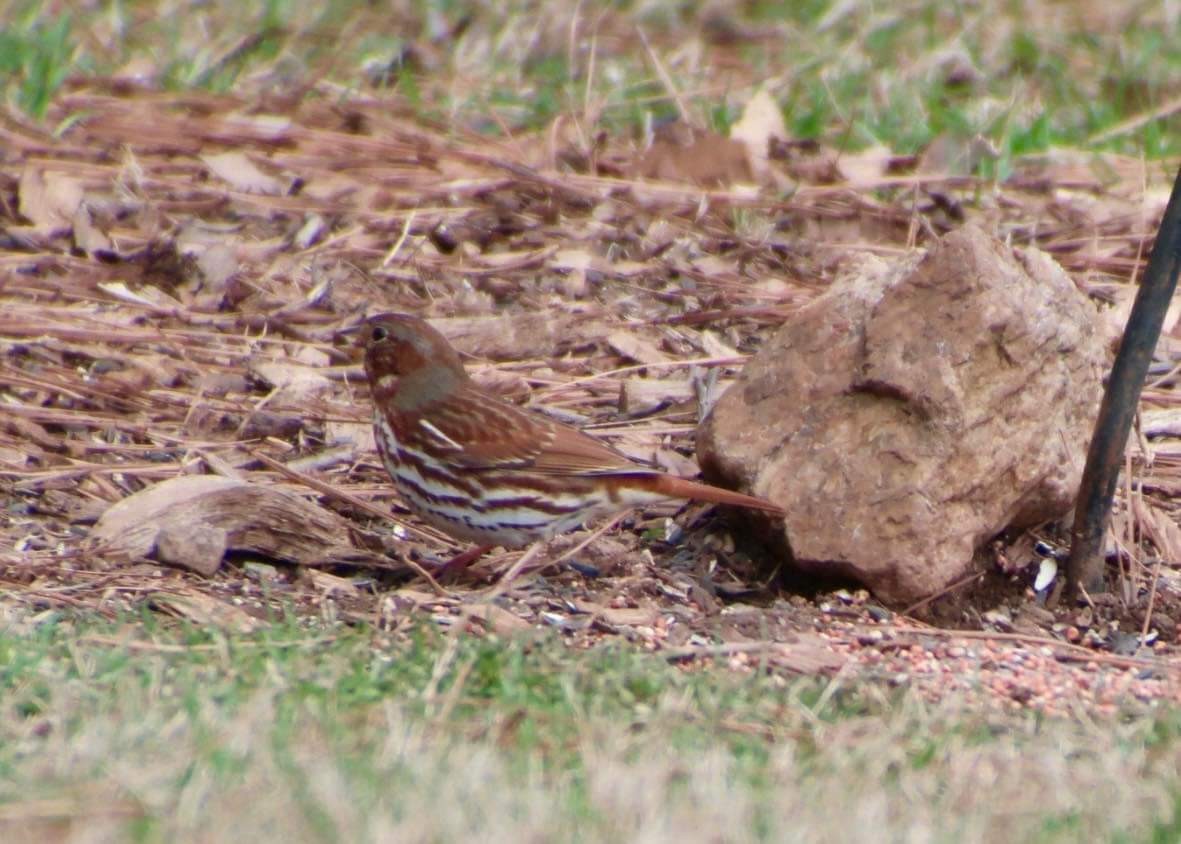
(149, 731)
(35, 57)
(1028, 78)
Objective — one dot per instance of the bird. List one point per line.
(486, 471)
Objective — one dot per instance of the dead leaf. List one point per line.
(702, 157)
(1116, 317)
(509, 385)
(643, 395)
(48, 200)
(295, 383)
(574, 263)
(635, 348)
(1161, 528)
(865, 168)
(629, 269)
(311, 356)
(87, 236)
(518, 336)
(955, 155)
(760, 124)
(237, 170)
(716, 347)
(147, 295)
(577, 260)
(17, 458)
(357, 434)
(218, 264)
(1160, 421)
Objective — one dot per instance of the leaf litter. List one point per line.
(180, 271)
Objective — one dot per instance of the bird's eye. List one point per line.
(379, 334)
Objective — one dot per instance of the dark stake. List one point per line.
(1084, 568)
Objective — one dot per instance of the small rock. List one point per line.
(198, 548)
(261, 572)
(584, 569)
(999, 619)
(1124, 644)
(1037, 615)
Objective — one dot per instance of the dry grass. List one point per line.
(638, 789)
(330, 736)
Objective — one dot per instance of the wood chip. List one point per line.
(635, 348)
(183, 512)
(638, 396)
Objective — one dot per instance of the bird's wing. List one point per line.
(498, 435)
(573, 452)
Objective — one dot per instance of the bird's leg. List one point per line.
(461, 561)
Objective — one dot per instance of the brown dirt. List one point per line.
(178, 269)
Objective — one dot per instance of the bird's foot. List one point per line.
(458, 564)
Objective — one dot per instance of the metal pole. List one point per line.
(1084, 568)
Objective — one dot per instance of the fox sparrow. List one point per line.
(483, 470)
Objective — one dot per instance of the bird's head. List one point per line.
(406, 360)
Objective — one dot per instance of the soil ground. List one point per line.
(179, 271)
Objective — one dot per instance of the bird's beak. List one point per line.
(349, 332)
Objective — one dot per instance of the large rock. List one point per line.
(915, 410)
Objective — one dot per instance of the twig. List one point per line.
(397, 247)
(1125, 127)
(665, 79)
(1151, 598)
(599, 531)
(431, 690)
(945, 591)
(515, 569)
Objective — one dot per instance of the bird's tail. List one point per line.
(674, 487)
